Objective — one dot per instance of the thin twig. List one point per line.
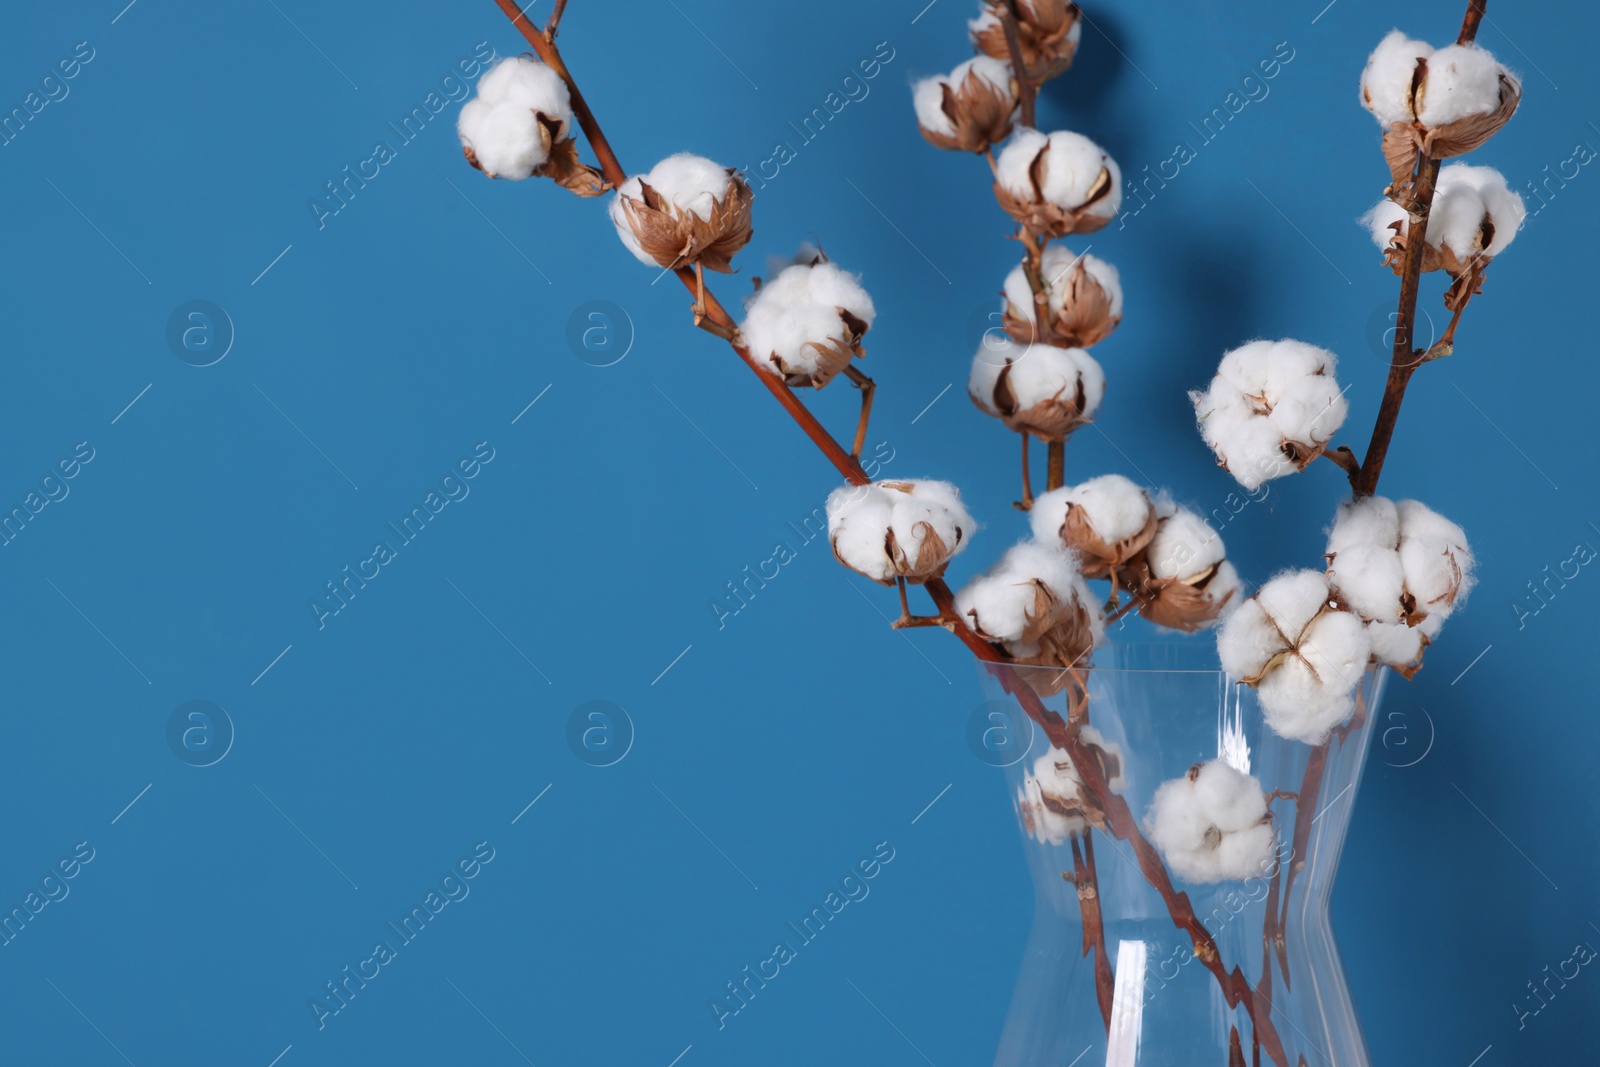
(551, 27)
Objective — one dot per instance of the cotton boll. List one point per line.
(529, 84)
(1107, 519)
(1034, 604)
(1074, 167)
(1212, 824)
(1462, 80)
(892, 530)
(1052, 799)
(1270, 409)
(1475, 216)
(1184, 547)
(806, 324)
(1002, 599)
(1048, 32)
(1083, 300)
(1386, 81)
(685, 210)
(1304, 657)
(970, 109)
(1057, 184)
(1372, 520)
(1038, 389)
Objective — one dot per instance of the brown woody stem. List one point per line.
(1094, 931)
(1056, 465)
(1027, 87)
(1027, 480)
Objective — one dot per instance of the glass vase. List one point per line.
(1125, 971)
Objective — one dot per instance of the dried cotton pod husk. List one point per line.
(971, 108)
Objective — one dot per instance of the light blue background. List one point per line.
(422, 319)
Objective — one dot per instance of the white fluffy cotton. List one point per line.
(860, 518)
(690, 183)
(1306, 657)
(1268, 398)
(1462, 80)
(1038, 373)
(500, 124)
(1055, 784)
(798, 311)
(1056, 268)
(1388, 560)
(1212, 824)
(1403, 568)
(1466, 197)
(1437, 561)
(1185, 546)
(1001, 599)
(1115, 506)
(1072, 168)
(927, 96)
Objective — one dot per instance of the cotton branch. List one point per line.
(1405, 359)
(1120, 819)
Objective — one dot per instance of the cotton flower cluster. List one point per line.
(685, 210)
(1034, 603)
(1304, 655)
(520, 112)
(969, 109)
(890, 531)
(1052, 801)
(1047, 30)
(1083, 300)
(1474, 217)
(1445, 101)
(1212, 825)
(1401, 567)
(1271, 409)
(806, 324)
(1036, 389)
(1165, 555)
(1056, 184)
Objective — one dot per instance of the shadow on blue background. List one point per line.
(376, 755)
